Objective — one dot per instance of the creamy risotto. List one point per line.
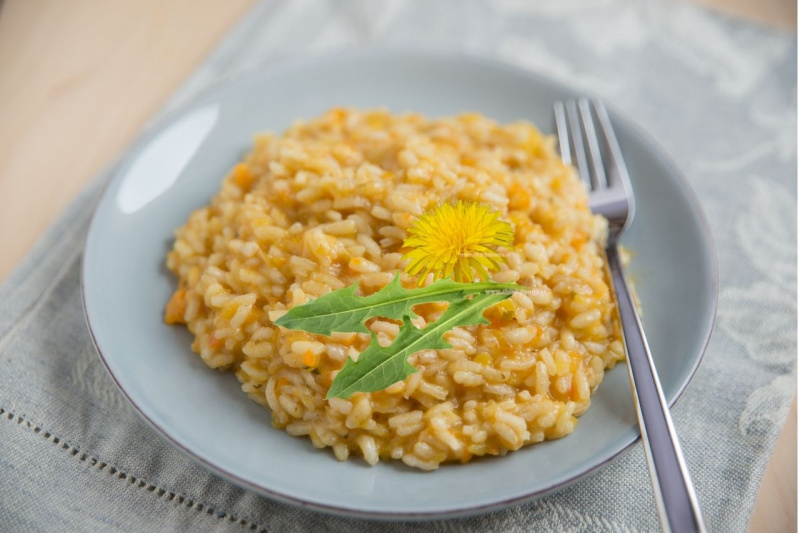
(327, 204)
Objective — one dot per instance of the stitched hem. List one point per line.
(179, 499)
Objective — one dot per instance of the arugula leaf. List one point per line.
(378, 367)
(345, 311)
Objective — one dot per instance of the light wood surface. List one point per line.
(778, 13)
(78, 79)
(776, 507)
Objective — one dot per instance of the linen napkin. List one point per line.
(718, 94)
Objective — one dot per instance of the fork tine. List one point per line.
(563, 133)
(617, 173)
(577, 143)
(599, 175)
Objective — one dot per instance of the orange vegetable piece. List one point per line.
(242, 176)
(578, 240)
(309, 359)
(176, 308)
(518, 197)
(213, 341)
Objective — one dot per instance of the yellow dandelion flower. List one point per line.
(457, 240)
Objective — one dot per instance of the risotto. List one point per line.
(329, 203)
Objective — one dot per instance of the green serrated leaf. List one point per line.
(345, 311)
(378, 367)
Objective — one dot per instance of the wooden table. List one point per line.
(78, 79)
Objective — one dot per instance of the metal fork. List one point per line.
(611, 196)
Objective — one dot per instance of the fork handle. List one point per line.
(673, 489)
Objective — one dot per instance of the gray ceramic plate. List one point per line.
(179, 166)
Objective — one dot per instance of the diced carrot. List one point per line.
(518, 197)
(338, 114)
(176, 308)
(242, 176)
(214, 342)
(578, 240)
(309, 359)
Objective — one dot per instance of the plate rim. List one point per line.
(289, 60)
